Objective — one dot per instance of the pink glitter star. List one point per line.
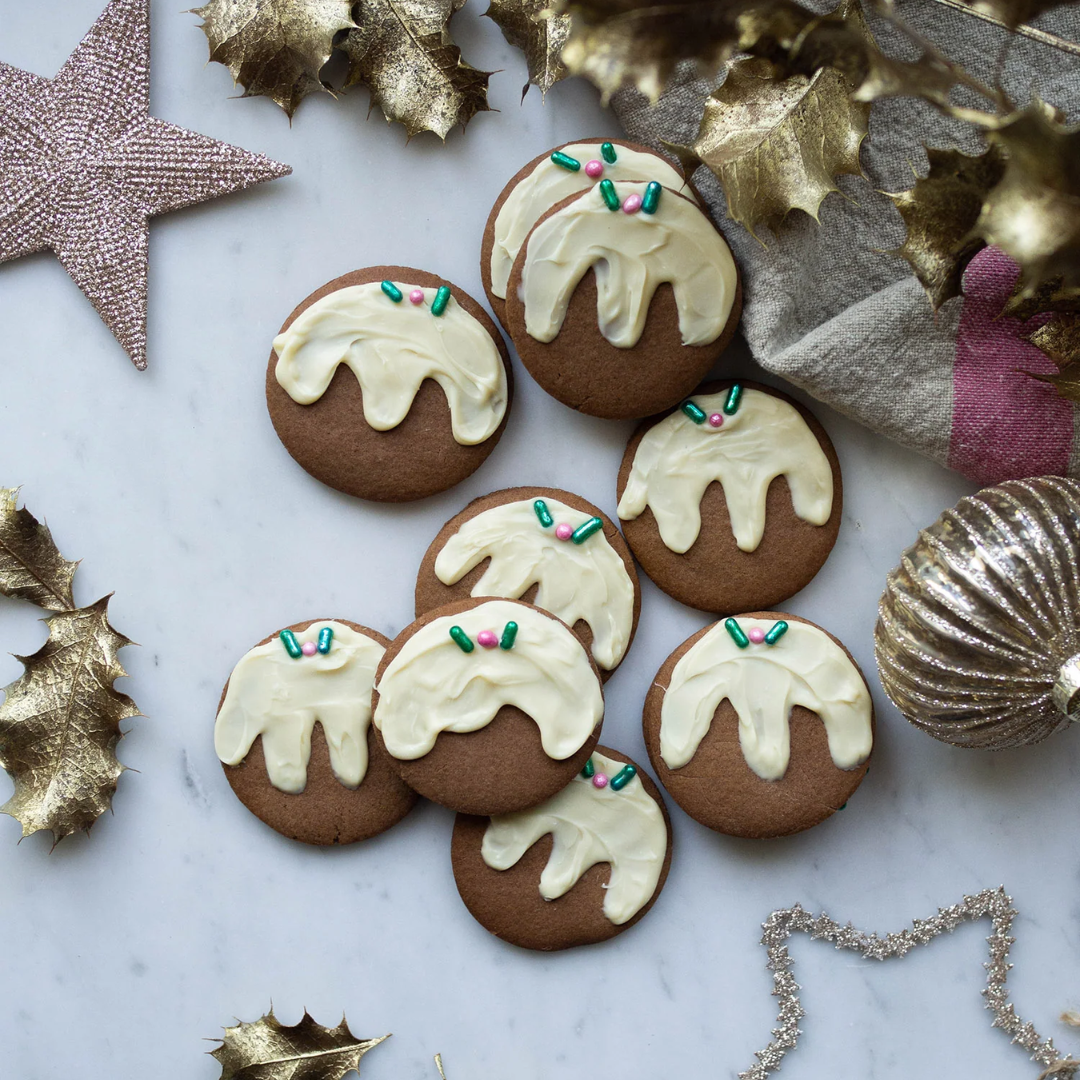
(83, 167)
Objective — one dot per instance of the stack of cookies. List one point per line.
(619, 294)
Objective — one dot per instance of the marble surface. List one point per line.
(124, 950)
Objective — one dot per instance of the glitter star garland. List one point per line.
(83, 166)
(993, 904)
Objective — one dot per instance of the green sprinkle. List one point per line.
(326, 636)
(583, 532)
(607, 152)
(736, 632)
(589, 769)
(731, 406)
(693, 412)
(461, 639)
(844, 807)
(543, 513)
(566, 161)
(442, 298)
(776, 633)
(508, 635)
(392, 291)
(651, 199)
(609, 194)
(292, 646)
(624, 776)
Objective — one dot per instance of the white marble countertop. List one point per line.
(123, 950)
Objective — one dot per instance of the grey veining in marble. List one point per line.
(181, 911)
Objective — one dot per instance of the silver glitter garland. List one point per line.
(993, 904)
(83, 166)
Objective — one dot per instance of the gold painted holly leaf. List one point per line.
(777, 145)
(1060, 340)
(1051, 295)
(60, 723)
(613, 42)
(1033, 214)
(269, 1050)
(31, 568)
(531, 26)
(940, 212)
(401, 50)
(275, 48)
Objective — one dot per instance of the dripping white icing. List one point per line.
(630, 255)
(272, 695)
(588, 825)
(432, 686)
(548, 184)
(391, 349)
(763, 682)
(577, 581)
(677, 460)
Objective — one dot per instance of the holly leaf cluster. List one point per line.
(400, 50)
(60, 720)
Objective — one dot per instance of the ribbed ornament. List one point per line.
(978, 632)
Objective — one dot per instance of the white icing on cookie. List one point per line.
(577, 581)
(589, 825)
(432, 686)
(391, 349)
(272, 695)
(630, 255)
(548, 184)
(763, 682)
(677, 460)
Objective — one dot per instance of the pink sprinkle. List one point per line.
(308, 648)
(756, 635)
(416, 296)
(594, 169)
(564, 532)
(631, 204)
(599, 780)
(716, 420)
(487, 639)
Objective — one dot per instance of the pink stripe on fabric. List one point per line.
(1005, 425)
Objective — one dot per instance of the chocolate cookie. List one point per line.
(376, 420)
(732, 501)
(581, 867)
(621, 314)
(760, 725)
(549, 179)
(547, 547)
(488, 706)
(293, 732)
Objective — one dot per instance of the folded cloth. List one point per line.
(830, 309)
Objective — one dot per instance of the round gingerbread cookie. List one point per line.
(733, 500)
(760, 725)
(547, 547)
(389, 384)
(548, 179)
(488, 706)
(293, 733)
(621, 314)
(581, 867)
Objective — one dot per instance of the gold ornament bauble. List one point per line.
(978, 632)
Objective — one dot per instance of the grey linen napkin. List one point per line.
(830, 310)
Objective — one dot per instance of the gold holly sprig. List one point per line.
(266, 1049)
(791, 118)
(60, 720)
(400, 50)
